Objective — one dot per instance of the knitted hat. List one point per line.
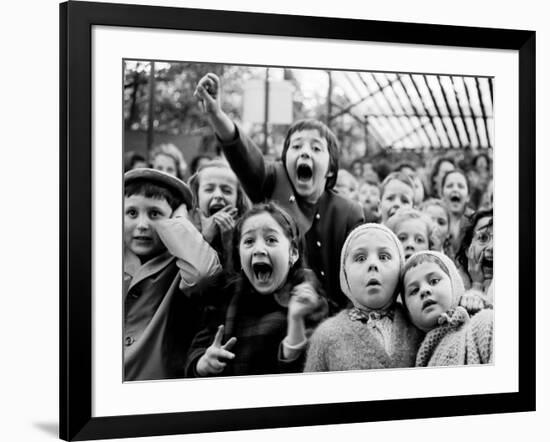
(354, 234)
(165, 180)
(448, 266)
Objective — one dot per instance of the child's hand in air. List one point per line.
(208, 91)
(214, 360)
(223, 221)
(304, 300)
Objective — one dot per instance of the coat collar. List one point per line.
(139, 272)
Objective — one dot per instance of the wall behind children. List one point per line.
(29, 179)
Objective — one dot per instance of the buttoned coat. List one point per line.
(161, 315)
(323, 226)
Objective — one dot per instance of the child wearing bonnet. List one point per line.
(432, 292)
(375, 332)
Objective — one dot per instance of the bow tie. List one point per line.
(364, 316)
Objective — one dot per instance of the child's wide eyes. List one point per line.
(271, 240)
(248, 241)
(360, 258)
(384, 256)
(154, 214)
(132, 213)
(420, 240)
(434, 281)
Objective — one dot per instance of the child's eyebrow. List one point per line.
(485, 226)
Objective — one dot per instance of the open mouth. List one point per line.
(374, 282)
(455, 199)
(262, 271)
(304, 172)
(428, 303)
(487, 266)
(216, 207)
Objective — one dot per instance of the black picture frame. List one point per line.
(76, 240)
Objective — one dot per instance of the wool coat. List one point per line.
(323, 226)
(341, 343)
(461, 340)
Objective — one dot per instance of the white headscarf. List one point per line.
(457, 286)
(358, 231)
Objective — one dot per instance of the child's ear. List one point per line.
(294, 255)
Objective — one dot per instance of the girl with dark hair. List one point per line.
(475, 255)
(258, 321)
(442, 166)
(455, 190)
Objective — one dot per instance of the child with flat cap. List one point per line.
(164, 256)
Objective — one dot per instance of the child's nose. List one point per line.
(142, 223)
(425, 291)
(259, 249)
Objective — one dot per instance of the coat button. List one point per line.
(322, 273)
(129, 341)
(318, 216)
(292, 198)
(318, 243)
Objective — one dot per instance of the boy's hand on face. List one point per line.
(208, 91)
(215, 359)
(304, 300)
(181, 212)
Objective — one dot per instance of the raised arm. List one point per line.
(208, 91)
(244, 157)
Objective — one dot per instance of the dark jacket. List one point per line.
(323, 226)
(259, 322)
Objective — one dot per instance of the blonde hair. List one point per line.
(405, 214)
(171, 150)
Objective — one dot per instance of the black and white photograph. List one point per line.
(288, 220)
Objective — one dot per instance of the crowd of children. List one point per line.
(256, 267)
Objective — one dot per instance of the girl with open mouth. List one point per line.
(258, 321)
(475, 256)
(219, 200)
(455, 190)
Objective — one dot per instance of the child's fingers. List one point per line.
(234, 212)
(224, 355)
(216, 366)
(225, 223)
(230, 344)
(218, 338)
(214, 78)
